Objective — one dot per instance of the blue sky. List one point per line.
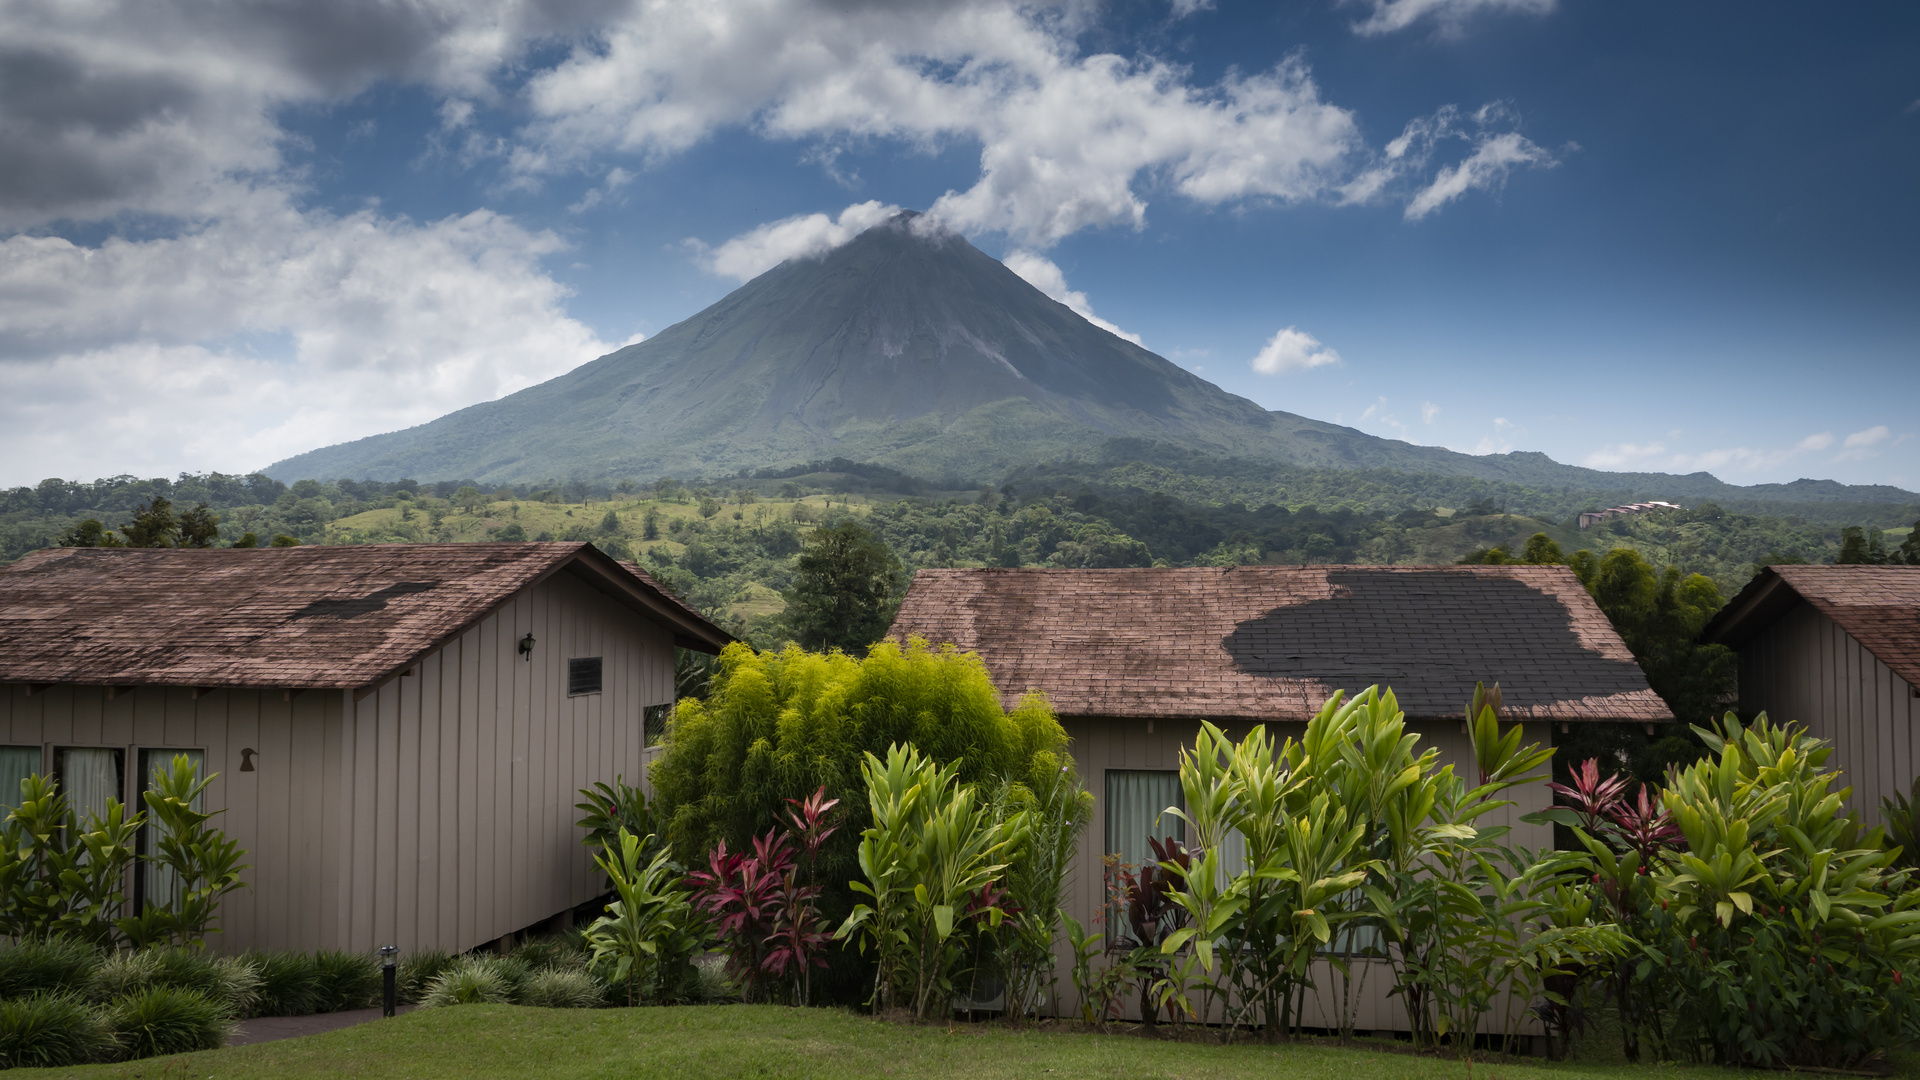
(1637, 236)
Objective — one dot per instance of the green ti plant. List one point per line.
(1782, 934)
(205, 862)
(650, 932)
(1058, 811)
(59, 875)
(933, 847)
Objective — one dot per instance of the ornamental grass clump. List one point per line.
(346, 980)
(417, 973)
(231, 982)
(562, 988)
(167, 1020)
(52, 1030)
(290, 983)
(56, 965)
(475, 980)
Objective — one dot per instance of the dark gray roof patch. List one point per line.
(1431, 636)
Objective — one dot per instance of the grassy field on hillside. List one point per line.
(772, 1041)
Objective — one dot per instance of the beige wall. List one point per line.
(1806, 669)
(275, 812)
(1100, 744)
(436, 812)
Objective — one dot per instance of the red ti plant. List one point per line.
(986, 909)
(1593, 798)
(743, 893)
(799, 939)
(1152, 915)
(813, 821)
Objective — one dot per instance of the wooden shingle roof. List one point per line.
(294, 618)
(1878, 605)
(1271, 643)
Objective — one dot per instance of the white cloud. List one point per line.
(265, 333)
(1293, 349)
(1391, 15)
(803, 236)
(1486, 168)
(1863, 444)
(1184, 8)
(1735, 460)
(1400, 170)
(1043, 274)
(1428, 410)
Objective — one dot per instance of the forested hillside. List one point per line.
(728, 546)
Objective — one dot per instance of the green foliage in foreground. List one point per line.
(803, 1044)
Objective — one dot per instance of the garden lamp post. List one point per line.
(387, 988)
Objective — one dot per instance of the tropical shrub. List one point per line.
(417, 972)
(1057, 812)
(646, 941)
(52, 1030)
(206, 863)
(1349, 853)
(167, 1020)
(931, 850)
(57, 965)
(345, 980)
(59, 875)
(1778, 935)
(289, 983)
(740, 892)
(781, 726)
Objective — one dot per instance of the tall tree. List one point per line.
(846, 587)
(153, 525)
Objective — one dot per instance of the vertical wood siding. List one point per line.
(282, 812)
(435, 813)
(1805, 669)
(1100, 744)
(461, 796)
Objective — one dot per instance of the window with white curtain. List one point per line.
(89, 776)
(159, 886)
(1137, 801)
(16, 764)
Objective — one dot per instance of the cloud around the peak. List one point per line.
(802, 236)
(1043, 274)
(1293, 349)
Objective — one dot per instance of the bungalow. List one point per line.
(1134, 660)
(1836, 648)
(398, 731)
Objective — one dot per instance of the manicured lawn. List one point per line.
(770, 1041)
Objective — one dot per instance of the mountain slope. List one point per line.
(906, 347)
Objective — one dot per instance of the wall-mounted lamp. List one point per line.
(247, 754)
(526, 647)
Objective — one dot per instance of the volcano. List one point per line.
(906, 347)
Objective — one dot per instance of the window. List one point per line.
(1137, 800)
(654, 721)
(583, 675)
(89, 776)
(157, 885)
(16, 764)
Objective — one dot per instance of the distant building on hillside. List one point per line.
(1837, 649)
(1595, 517)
